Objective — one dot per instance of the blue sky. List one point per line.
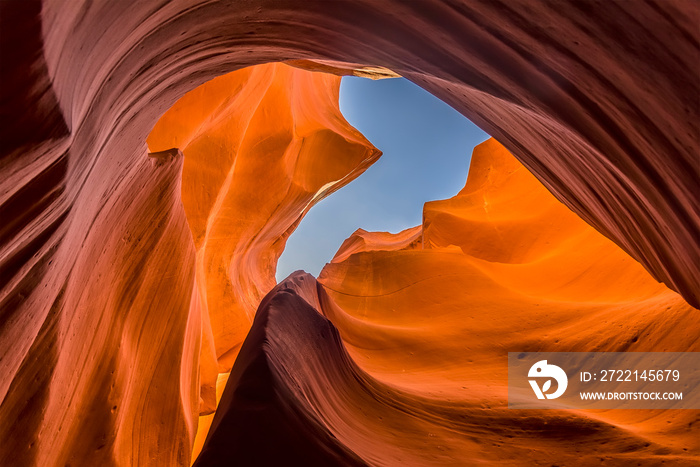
(427, 147)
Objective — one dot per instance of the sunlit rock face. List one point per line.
(131, 266)
(144, 310)
(396, 355)
(598, 99)
(261, 146)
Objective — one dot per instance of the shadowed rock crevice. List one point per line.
(29, 111)
(264, 417)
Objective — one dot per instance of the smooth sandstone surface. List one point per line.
(396, 356)
(504, 267)
(106, 341)
(111, 339)
(596, 98)
(229, 172)
(262, 145)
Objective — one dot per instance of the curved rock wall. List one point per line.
(396, 356)
(105, 342)
(597, 99)
(261, 146)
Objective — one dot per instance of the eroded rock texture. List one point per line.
(102, 338)
(168, 276)
(427, 318)
(598, 99)
(115, 266)
(262, 145)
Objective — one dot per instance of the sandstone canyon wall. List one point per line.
(596, 98)
(397, 355)
(261, 146)
(128, 282)
(182, 248)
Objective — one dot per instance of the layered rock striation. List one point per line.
(597, 99)
(397, 355)
(119, 316)
(127, 282)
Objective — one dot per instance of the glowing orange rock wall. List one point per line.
(99, 330)
(426, 320)
(153, 302)
(501, 267)
(261, 146)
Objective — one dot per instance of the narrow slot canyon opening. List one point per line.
(281, 168)
(156, 158)
(426, 146)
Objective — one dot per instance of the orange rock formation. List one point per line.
(504, 267)
(262, 146)
(599, 101)
(127, 282)
(428, 317)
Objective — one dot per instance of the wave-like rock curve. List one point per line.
(504, 267)
(598, 100)
(232, 169)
